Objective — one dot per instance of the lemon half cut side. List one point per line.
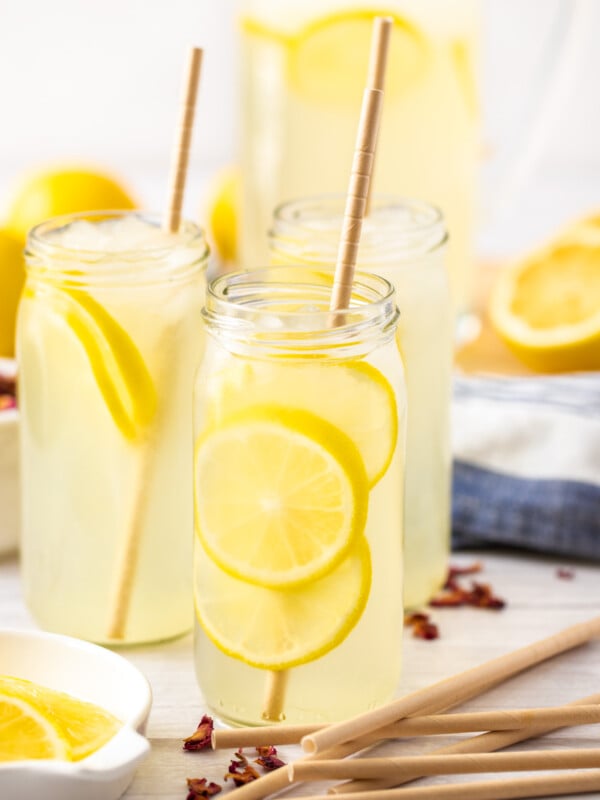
(277, 630)
(547, 307)
(281, 495)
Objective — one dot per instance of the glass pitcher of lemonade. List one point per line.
(299, 465)
(108, 342)
(404, 241)
(304, 64)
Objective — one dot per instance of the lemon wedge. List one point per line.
(299, 497)
(276, 630)
(25, 732)
(327, 59)
(81, 727)
(223, 213)
(547, 307)
(354, 396)
(116, 363)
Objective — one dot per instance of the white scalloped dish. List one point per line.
(90, 673)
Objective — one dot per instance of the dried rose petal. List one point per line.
(456, 572)
(201, 738)
(199, 787)
(415, 618)
(565, 573)
(7, 401)
(268, 758)
(481, 596)
(240, 771)
(421, 626)
(449, 599)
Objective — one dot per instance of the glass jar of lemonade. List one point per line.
(403, 240)
(304, 69)
(299, 471)
(109, 339)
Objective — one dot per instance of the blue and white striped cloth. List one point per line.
(527, 463)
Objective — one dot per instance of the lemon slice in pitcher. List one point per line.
(272, 629)
(26, 732)
(83, 727)
(115, 361)
(327, 59)
(354, 396)
(280, 496)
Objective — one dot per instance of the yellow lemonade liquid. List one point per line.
(304, 67)
(109, 340)
(404, 241)
(289, 412)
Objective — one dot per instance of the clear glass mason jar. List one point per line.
(299, 462)
(109, 338)
(404, 241)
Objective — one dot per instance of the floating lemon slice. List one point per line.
(327, 60)
(25, 731)
(116, 363)
(276, 630)
(547, 308)
(82, 727)
(280, 496)
(354, 396)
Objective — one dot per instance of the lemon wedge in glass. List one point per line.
(354, 396)
(273, 629)
(116, 363)
(547, 307)
(35, 719)
(281, 495)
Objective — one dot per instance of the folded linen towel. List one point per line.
(527, 463)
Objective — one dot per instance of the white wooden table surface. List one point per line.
(538, 604)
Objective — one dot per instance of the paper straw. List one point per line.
(453, 690)
(382, 32)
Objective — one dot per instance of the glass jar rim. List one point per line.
(123, 263)
(405, 227)
(260, 308)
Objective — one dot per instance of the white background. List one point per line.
(99, 82)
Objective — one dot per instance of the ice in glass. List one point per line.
(299, 462)
(108, 343)
(404, 241)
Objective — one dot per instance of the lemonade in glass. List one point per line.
(304, 65)
(299, 465)
(404, 241)
(108, 343)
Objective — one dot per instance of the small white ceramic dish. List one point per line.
(9, 470)
(90, 673)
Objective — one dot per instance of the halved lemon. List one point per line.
(276, 630)
(547, 307)
(26, 732)
(354, 396)
(327, 59)
(116, 363)
(280, 496)
(83, 727)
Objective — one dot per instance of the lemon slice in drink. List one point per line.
(547, 307)
(327, 59)
(116, 363)
(84, 727)
(25, 731)
(354, 396)
(280, 496)
(274, 629)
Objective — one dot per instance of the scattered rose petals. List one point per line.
(565, 573)
(240, 771)
(268, 759)
(421, 626)
(201, 738)
(479, 595)
(200, 788)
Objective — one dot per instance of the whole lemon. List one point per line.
(12, 276)
(51, 192)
